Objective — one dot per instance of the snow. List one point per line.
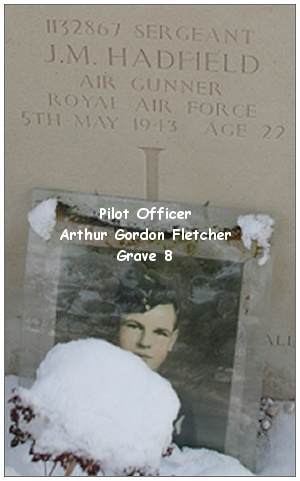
(257, 228)
(201, 462)
(279, 459)
(281, 456)
(99, 401)
(42, 218)
(11, 472)
(191, 462)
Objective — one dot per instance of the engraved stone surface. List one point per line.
(170, 102)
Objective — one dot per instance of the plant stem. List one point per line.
(52, 469)
(70, 467)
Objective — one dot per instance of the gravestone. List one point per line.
(169, 102)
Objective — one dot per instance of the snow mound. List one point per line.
(94, 399)
(201, 462)
(194, 462)
(42, 218)
(257, 228)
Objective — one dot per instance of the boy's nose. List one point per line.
(145, 340)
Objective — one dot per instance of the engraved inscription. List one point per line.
(205, 61)
(281, 340)
(199, 34)
(176, 76)
(69, 55)
(77, 26)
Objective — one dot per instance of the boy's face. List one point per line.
(150, 335)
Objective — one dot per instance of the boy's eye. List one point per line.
(161, 332)
(132, 325)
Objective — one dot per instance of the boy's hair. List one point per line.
(150, 289)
